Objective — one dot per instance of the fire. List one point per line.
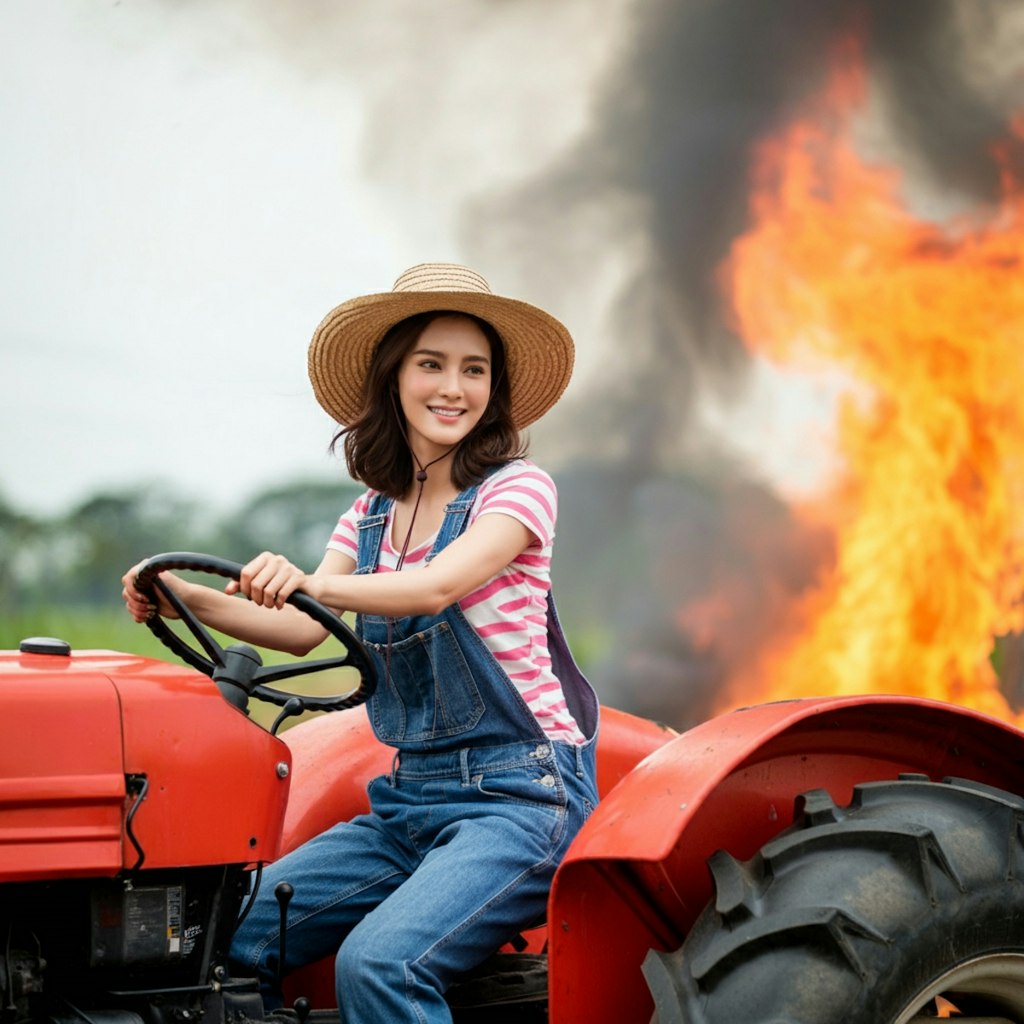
(927, 321)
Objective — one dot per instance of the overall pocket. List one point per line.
(533, 784)
(430, 692)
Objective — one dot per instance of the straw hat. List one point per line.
(538, 349)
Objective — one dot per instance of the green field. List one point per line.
(111, 629)
(83, 628)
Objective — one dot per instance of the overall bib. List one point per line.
(465, 833)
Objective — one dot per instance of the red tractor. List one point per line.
(856, 860)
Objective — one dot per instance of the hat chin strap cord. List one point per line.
(421, 479)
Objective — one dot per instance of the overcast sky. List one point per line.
(187, 188)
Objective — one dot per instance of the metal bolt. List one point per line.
(282, 770)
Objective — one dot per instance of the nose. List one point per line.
(450, 384)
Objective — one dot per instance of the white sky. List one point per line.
(184, 193)
(187, 188)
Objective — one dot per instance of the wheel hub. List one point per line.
(997, 980)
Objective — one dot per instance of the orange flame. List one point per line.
(928, 321)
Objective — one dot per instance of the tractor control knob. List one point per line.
(283, 893)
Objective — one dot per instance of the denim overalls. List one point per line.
(466, 831)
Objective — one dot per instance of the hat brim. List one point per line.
(539, 351)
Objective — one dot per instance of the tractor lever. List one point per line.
(292, 706)
(283, 893)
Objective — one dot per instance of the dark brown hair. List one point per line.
(376, 450)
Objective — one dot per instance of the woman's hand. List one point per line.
(141, 607)
(269, 580)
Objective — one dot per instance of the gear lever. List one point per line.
(283, 893)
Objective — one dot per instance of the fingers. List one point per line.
(139, 609)
(140, 606)
(268, 580)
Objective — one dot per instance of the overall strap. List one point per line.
(370, 533)
(579, 694)
(370, 529)
(456, 516)
(456, 513)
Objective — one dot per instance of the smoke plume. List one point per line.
(638, 216)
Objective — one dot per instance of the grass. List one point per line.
(83, 628)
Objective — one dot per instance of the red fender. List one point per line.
(635, 878)
(334, 757)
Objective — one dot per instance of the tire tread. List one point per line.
(840, 914)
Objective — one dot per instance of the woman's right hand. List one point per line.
(141, 607)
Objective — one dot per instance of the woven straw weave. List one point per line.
(539, 349)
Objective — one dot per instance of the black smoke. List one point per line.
(698, 85)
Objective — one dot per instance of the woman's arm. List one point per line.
(288, 630)
(487, 547)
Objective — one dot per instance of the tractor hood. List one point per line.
(111, 762)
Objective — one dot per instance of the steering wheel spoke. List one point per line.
(214, 659)
(272, 673)
(204, 638)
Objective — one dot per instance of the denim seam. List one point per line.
(411, 835)
(535, 869)
(261, 947)
(410, 996)
(524, 801)
(347, 894)
(498, 766)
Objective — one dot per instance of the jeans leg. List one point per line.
(485, 878)
(338, 877)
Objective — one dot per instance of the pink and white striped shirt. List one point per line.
(509, 612)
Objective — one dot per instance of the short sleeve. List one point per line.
(524, 492)
(343, 538)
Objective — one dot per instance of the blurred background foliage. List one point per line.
(636, 556)
(668, 585)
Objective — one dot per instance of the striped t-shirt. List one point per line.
(509, 611)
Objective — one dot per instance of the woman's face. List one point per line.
(444, 384)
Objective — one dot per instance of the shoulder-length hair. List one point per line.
(375, 446)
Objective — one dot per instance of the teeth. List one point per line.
(450, 413)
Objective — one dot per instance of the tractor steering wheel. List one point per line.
(238, 669)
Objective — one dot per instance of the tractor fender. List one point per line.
(635, 878)
(334, 757)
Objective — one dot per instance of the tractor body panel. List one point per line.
(77, 729)
(62, 786)
(636, 878)
(126, 782)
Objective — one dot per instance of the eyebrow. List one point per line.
(443, 355)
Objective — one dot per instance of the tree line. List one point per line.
(75, 559)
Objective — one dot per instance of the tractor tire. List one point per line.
(870, 914)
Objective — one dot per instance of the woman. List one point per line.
(445, 559)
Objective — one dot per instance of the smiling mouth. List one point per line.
(448, 414)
